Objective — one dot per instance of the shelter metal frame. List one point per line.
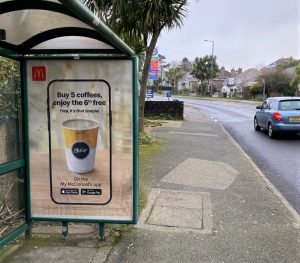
(93, 29)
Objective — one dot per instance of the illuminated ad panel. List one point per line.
(80, 139)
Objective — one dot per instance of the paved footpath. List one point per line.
(208, 203)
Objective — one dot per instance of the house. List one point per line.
(226, 82)
(222, 75)
(247, 78)
(282, 62)
(190, 83)
(229, 86)
(239, 80)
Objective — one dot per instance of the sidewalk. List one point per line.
(207, 203)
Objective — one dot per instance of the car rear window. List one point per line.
(289, 105)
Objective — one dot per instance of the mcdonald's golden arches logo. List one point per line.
(38, 73)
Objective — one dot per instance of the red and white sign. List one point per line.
(38, 73)
(154, 65)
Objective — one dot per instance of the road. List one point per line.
(279, 159)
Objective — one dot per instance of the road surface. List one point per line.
(279, 159)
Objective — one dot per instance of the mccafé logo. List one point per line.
(80, 150)
(38, 73)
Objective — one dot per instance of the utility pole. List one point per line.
(264, 88)
(212, 64)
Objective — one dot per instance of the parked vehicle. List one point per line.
(278, 115)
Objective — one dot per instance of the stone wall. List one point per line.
(157, 108)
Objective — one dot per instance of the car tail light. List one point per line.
(277, 116)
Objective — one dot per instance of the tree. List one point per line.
(277, 81)
(205, 68)
(174, 74)
(202, 87)
(287, 63)
(140, 22)
(255, 89)
(162, 65)
(296, 80)
(186, 65)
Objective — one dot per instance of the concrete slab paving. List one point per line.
(201, 134)
(179, 199)
(176, 217)
(57, 229)
(101, 254)
(177, 211)
(249, 223)
(202, 173)
(53, 255)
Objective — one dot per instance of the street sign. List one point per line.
(149, 93)
(153, 74)
(154, 66)
(155, 53)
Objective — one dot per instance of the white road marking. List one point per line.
(195, 134)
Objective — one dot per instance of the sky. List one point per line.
(246, 33)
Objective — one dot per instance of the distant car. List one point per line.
(278, 115)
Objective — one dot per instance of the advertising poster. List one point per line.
(80, 130)
(80, 134)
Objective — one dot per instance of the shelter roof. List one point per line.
(51, 26)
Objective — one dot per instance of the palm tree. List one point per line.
(140, 22)
(174, 74)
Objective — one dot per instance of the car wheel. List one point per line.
(256, 126)
(271, 132)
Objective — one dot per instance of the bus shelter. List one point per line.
(68, 118)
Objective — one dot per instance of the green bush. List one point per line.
(164, 116)
(10, 93)
(144, 138)
(152, 123)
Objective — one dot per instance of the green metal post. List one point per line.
(101, 231)
(26, 138)
(65, 229)
(135, 138)
(28, 232)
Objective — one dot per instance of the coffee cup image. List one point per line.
(80, 140)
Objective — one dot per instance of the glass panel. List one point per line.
(79, 120)
(11, 140)
(86, 98)
(12, 201)
(73, 42)
(289, 105)
(22, 25)
(56, 1)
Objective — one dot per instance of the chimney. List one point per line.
(222, 73)
(233, 72)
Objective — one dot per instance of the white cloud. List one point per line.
(246, 32)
